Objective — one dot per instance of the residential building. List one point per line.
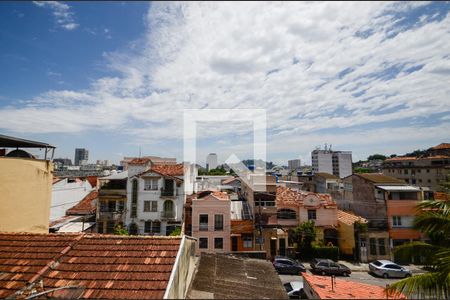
(211, 161)
(326, 183)
(325, 287)
(155, 197)
(296, 207)
(441, 149)
(338, 163)
(210, 182)
(88, 266)
(211, 221)
(242, 226)
(67, 192)
(294, 164)
(81, 156)
(349, 235)
(427, 172)
(112, 202)
(388, 204)
(307, 182)
(222, 276)
(26, 186)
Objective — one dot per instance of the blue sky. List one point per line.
(116, 76)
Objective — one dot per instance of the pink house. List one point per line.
(295, 207)
(211, 223)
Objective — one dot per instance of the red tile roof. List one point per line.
(169, 170)
(288, 196)
(401, 158)
(441, 146)
(106, 266)
(139, 161)
(93, 180)
(380, 178)
(349, 218)
(345, 289)
(86, 206)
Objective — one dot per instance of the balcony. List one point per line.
(167, 193)
(167, 214)
(111, 215)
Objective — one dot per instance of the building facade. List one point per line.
(425, 172)
(294, 164)
(155, 197)
(211, 222)
(338, 163)
(211, 161)
(81, 156)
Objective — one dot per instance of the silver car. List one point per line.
(387, 268)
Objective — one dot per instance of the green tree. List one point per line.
(434, 221)
(120, 230)
(176, 232)
(376, 156)
(304, 235)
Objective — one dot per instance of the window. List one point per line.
(147, 226)
(203, 223)
(428, 170)
(103, 206)
(413, 181)
(120, 206)
(373, 246)
(420, 180)
(407, 180)
(110, 227)
(100, 227)
(429, 180)
(405, 171)
(133, 213)
(151, 184)
(287, 214)
(396, 221)
(112, 206)
(156, 227)
(419, 171)
(218, 222)
(381, 247)
(218, 243)
(312, 215)
(394, 267)
(203, 243)
(150, 206)
(247, 241)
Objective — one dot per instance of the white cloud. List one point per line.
(289, 58)
(64, 18)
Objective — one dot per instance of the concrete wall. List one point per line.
(25, 194)
(183, 271)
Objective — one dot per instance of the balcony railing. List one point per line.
(112, 215)
(167, 214)
(167, 192)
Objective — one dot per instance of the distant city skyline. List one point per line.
(365, 77)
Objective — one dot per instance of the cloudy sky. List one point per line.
(113, 77)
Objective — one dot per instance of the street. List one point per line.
(362, 277)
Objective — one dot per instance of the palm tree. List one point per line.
(434, 221)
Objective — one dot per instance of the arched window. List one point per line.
(134, 193)
(287, 214)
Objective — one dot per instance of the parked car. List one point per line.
(329, 267)
(286, 265)
(294, 290)
(387, 268)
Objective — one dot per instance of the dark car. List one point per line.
(328, 267)
(286, 265)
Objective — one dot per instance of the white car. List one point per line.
(294, 290)
(387, 268)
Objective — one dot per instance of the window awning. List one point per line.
(399, 188)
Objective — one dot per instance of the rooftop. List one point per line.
(412, 158)
(86, 206)
(14, 142)
(104, 266)
(169, 170)
(221, 276)
(288, 196)
(345, 289)
(441, 146)
(327, 175)
(380, 178)
(349, 218)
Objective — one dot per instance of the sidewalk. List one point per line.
(364, 267)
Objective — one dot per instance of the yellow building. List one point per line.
(25, 186)
(346, 229)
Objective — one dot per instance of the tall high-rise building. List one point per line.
(338, 163)
(81, 156)
(294, 164)
(211, 161)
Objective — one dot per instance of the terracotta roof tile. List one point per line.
(169, 170)
(345, 289)
(288, 196)
(106, 266)
(139, 161)
(87, 206)
(327, 175)
(349, 218)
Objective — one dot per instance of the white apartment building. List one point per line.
(338, 163)
(155, 197)
(211, 161)
(294, 164)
